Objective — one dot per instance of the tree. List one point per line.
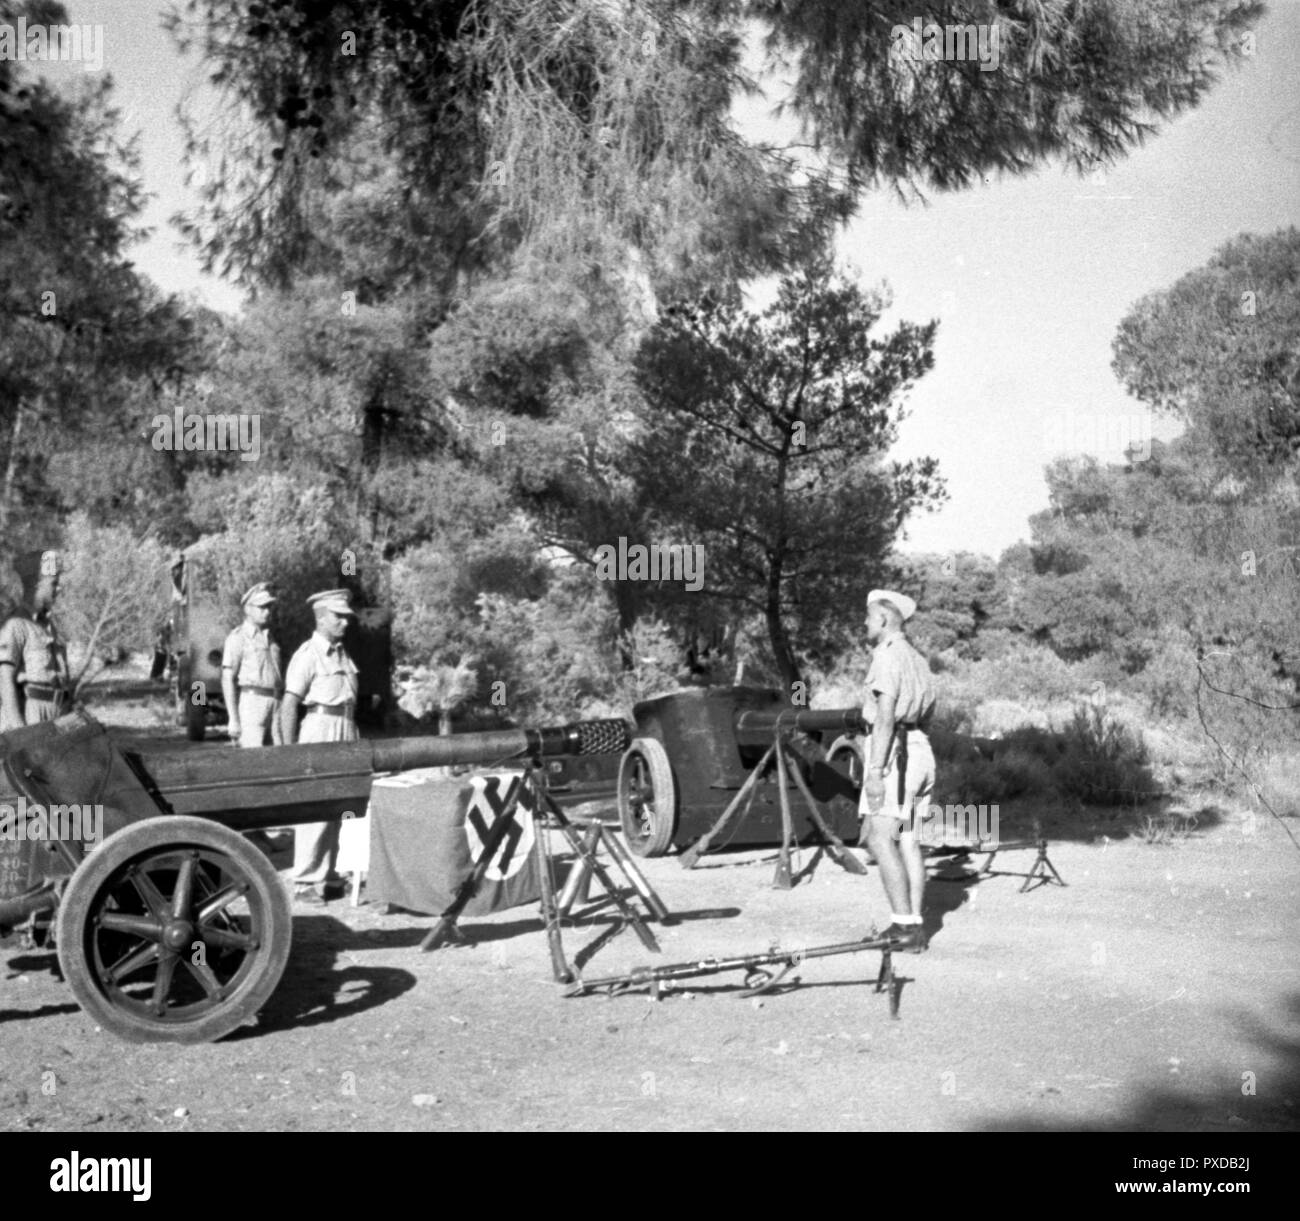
(961, 602)
(766, 444)
(80, 330)
(588, 130)
(111, 597)
(597, 127)
(1218, 351)
(1082, 82)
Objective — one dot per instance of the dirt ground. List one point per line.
(1160, 990)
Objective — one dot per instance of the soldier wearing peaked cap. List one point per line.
(323, 678)
(252, 679)
(899, 776)
(33, 660)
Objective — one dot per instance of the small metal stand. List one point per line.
(530, 797)
(1041, 873)
(787, 765)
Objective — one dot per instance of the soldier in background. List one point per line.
(323, 678)
(252, 679)
(33, 660)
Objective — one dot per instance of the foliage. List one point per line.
(1217, 350)
(585, 129)
(599, 126)
(960, 600)
(1102, 762)
(442, 689)
(80, 329)
(110, 594)
(284, 530)
(1080, 82)
(1094, 759)
(766, 446)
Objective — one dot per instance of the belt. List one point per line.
(42, 691)
(332, 709)
(271, 691)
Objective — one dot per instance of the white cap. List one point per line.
(906, 606)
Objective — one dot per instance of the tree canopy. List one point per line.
(1218, 351)
(766, 444)
(588, 129)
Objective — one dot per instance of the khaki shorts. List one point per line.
(909, 782)
(255, 713)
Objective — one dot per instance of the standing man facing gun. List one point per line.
(900, 764)
(322, 677)
(33, 660)
(251, 676)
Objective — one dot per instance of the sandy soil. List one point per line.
(1159, 991)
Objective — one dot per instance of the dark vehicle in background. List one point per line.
(197, 626)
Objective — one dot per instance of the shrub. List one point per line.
(1102, 762)
(110, 596)
(971, 776)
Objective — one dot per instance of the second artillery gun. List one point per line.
(694, 750)
(170, 925)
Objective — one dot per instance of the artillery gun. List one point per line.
(695, 750)
(170, 925)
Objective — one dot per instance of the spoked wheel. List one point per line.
(174, 930)
(846, 755)
(647, 798)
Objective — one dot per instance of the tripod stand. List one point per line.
(788, 758)
(530, 797)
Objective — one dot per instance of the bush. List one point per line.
(110, 595)
(971, 776)
(1102, 762)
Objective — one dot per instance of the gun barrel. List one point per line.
(285, 785)
(499, 745)
(834, 720)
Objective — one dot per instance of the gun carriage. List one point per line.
(695, 750)
(170, 925)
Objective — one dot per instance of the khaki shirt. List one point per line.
(35, 652)
(322, 673)
(897, 669)
(253, 657)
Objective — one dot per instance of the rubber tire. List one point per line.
(663, 811)
(851, 745)
(151, 836)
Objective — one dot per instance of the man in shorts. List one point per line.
(899, 765)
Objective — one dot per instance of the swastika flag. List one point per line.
(427, 832)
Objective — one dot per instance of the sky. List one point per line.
(1029, 278)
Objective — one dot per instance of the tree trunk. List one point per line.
(629, 610)
(776, 633)
(11, 468)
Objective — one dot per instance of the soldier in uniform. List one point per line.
(323, 678)
(251, 676)
(899, 774)
(33, 661)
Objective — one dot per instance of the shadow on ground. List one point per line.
(314, 990)
(1270, 1101)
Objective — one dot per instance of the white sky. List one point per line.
(1028, 277)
